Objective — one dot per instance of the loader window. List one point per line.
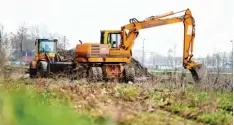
(47, 47)
(114, 39)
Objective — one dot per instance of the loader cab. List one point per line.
(46, 46)
(111, 37)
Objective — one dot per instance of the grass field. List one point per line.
(162, 102)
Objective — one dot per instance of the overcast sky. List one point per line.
(84, 19)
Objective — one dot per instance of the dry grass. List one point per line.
(168, 99)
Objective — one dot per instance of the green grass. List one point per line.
(21, 105)
(213, 108)
(216, 118)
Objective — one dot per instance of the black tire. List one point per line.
(99, 73)
(42, 69)
(32, 73)
(129, 74)
(84, 73)
(92, 74)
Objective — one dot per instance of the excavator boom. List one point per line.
(198, 70)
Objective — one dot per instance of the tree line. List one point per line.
(12, 44)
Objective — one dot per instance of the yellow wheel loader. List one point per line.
(47, 60)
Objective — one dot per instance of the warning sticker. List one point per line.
(190, 30)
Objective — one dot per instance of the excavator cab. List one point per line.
(111, 37)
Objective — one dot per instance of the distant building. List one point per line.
(27, 56)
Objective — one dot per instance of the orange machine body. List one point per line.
(100, 53)
(115, 48)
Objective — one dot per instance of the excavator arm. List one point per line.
(198, 70)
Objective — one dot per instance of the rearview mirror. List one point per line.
(35, 42)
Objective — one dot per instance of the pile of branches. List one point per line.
(140, 70)
(67, 54)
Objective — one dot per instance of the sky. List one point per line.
(83, 20)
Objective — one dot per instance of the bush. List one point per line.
(24, 107)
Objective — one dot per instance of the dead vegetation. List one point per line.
(147, 103)
(165, 98)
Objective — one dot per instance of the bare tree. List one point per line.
(62, 41)
(21, 41)
(24, 39)
(39, 31)
(2, 49)
(5, 49)
(1, 36)
(34, 32)
(22, 33)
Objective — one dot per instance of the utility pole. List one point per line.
(21, 49)
(143, 53)
(232, 45)
(232, 52)
(64, 42)
(174, 55)
(153, 60)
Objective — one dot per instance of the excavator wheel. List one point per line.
(99, 73)
(129, 74)
(198, 72)
(81, 72)
(92, 74)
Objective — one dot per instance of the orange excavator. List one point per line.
(110, 59)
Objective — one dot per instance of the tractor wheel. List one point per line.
(129, 74)
(99, 73)
(42, 69)
(32, 73)
(92, 74)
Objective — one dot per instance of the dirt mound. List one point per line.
(140, 70)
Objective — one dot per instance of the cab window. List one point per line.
(47, 47)
(114, 39)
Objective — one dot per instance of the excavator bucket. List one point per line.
(198, 72)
